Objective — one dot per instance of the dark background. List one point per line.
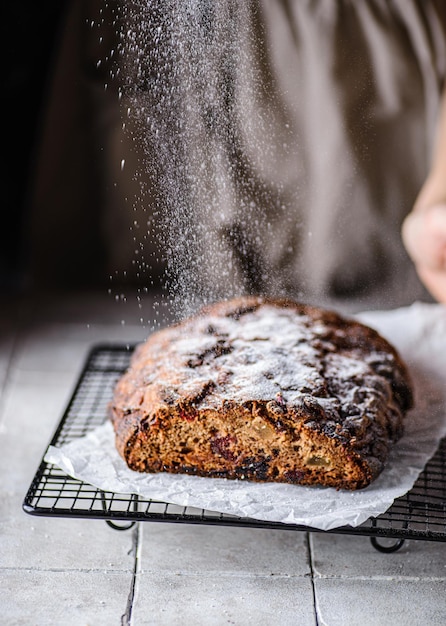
(30, 35)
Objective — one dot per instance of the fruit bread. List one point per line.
(263, 390)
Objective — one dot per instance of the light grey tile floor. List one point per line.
(380, 602)
(355, 584)
(71, 598)
(65, 571)
(343, 556)
(214, 600)
(216, 549)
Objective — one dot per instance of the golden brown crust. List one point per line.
(265, 390)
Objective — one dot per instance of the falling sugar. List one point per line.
(188, 80)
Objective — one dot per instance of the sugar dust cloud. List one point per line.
(189, 90)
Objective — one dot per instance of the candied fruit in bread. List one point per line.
(263, 390)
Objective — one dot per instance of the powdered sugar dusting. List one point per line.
(188, 79)
(273, 353)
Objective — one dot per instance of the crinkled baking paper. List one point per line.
(418, 332)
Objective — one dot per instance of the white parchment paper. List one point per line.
(418, 332)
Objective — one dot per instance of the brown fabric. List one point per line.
(304, 182)
(349, 98)
(440, 9)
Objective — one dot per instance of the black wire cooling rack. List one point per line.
(420, 514)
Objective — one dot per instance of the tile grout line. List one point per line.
(126, 618)
(313, 588)
(224, 574)
(62, 570)
(199, 573)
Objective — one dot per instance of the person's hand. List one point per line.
(424, 229)
(424, 235)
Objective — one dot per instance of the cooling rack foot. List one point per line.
(393, 547)
(124, 526)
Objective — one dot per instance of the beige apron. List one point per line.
(302, 132)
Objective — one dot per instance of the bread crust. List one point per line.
(264, 390)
